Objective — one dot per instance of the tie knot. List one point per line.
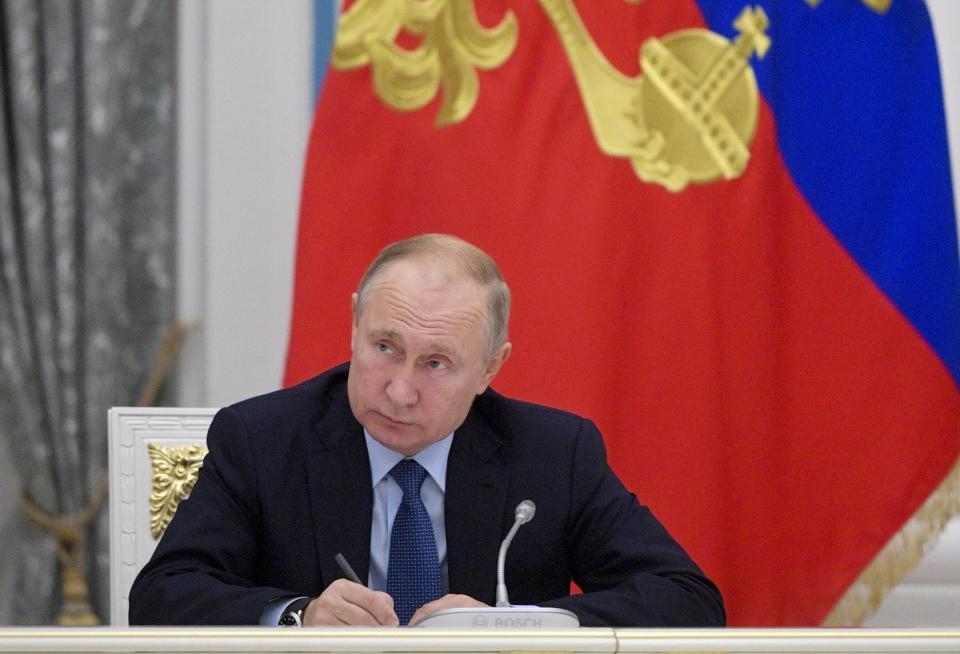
(410, 475)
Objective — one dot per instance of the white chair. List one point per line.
(154, 456)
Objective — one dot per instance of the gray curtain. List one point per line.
(86, 252)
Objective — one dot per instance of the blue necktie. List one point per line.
(413, 574)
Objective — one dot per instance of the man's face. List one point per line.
(418, 354)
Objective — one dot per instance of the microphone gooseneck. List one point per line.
(504, 614)
(522, 515)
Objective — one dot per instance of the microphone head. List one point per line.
(525, 511)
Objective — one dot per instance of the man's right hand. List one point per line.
(346, 603)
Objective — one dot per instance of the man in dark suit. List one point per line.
(295, 477)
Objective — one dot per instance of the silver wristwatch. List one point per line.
(292, 616)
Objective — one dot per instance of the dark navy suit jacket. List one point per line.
(287, 485)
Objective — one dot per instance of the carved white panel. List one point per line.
(130, 430)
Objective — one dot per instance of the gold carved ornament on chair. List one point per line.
(175, 471)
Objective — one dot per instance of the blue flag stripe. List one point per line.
(859, 111)
(324, 29)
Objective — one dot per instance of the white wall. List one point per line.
(245, 108)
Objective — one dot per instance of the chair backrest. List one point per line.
(155, 454)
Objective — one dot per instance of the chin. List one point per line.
(405, 448)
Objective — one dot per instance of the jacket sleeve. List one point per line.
(631, 571)
(204, 570)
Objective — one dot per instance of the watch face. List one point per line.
(290, 620)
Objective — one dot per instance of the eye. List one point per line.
(437, 364)
(383, 347)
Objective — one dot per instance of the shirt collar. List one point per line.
(433, 458)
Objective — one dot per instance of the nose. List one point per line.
(401, 390)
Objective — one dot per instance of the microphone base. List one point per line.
(500, 617)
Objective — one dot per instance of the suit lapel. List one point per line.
(474, 509)
(341, 495)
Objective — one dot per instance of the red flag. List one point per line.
(762, 379)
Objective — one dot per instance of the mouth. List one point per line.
(391, 422)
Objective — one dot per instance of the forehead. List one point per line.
(429, 297)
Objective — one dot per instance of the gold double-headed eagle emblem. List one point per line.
(690, 116)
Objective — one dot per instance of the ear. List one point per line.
(493, 366)
(353, 323)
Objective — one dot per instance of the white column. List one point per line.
(245, 112)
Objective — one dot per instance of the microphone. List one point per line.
(522, 515)
(504, 615)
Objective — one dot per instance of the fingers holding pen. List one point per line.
(345, 602)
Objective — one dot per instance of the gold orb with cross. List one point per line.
(700, 95)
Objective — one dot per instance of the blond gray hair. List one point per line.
(471, 260)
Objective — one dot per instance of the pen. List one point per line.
(347, 570)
